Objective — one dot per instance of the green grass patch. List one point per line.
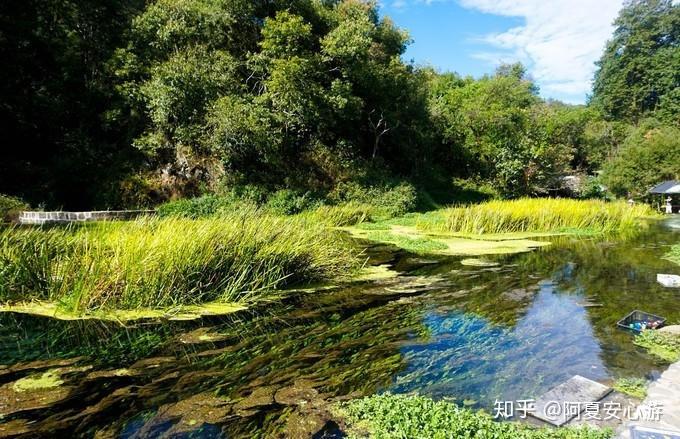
(397, 416)
(161, 263)
(346, 214)
(635, 387)
(674, 254)
(422, 245)
(536, 215)
(663, 345)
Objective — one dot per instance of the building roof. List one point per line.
(667, 187)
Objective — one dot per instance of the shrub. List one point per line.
(10, 208)
(346, 214)
(200, 207)
(389, 201)
(289, 202)
(593, 188)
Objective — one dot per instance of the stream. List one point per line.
(467, 334)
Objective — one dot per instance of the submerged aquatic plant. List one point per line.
(167, 262)
(674, 254)
(536, 215)
(636, 387)
(663, 345)
(46, 380)
(401, 416)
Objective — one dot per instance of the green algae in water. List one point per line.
(188, 312)
(415, 241)
(375, 272)
(474, 262)
(414, 416)
(635, 387)
(46, 380)
(662, 345)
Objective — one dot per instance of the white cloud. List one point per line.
(559, 42)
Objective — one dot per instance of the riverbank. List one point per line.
(226, 256)
(154, 263)
(503, 227)
(663, 397)
(446, 330)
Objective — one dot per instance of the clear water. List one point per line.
(442, 329)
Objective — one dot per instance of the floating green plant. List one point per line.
(663, 345)
(635, 387)
(401, 416)
(416, 241)
(188, 312)
(45, 380)
(474, 262)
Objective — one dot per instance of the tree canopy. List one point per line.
(639, 73)
(126, 103)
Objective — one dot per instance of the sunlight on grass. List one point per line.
(160, 263)
(536, 215)
(662, 345)
(635, 387)
(674, 254)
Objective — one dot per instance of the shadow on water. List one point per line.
(470, 334)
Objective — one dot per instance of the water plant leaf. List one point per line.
(189, 312)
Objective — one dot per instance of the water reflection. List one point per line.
(468, 333)
(475, 360)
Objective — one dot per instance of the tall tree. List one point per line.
(271, 93)
(639, 72)
(59, 145)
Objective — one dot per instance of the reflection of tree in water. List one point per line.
(477, 334)
(540, 318)
(613, 279)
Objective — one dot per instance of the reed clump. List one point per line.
(537, 215)
(167, 262)
(345, 214)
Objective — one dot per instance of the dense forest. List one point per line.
(128, 103)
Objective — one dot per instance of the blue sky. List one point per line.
(558, 40)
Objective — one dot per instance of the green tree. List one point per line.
(650, 155)
(639, 72)
(504, 132)
(61, 148)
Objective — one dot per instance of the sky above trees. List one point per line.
(558, 40)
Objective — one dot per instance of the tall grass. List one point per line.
(536, 215)
(167, 262)
(674, 254)
(345, 214)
